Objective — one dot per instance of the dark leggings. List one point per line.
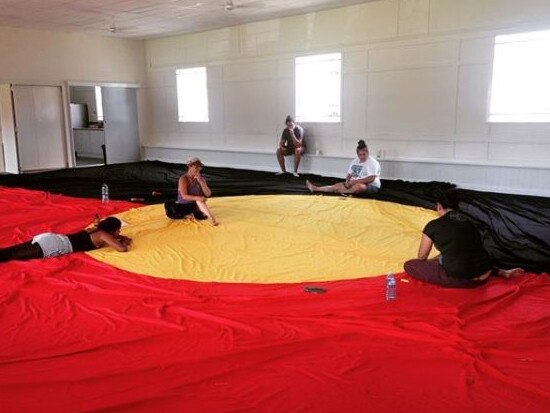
(21, 252)
(180, 211)
(431, 271)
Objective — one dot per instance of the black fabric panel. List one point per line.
(515, 229)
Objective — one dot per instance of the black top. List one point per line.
(285, 136)
(459, 243)
(81, 241)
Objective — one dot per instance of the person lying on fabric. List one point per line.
(192, 194)
(463, 262)
(291, 143)
(363, 175)
(105, 233)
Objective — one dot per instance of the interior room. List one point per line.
(276, 173)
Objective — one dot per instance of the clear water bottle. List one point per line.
(391, 287)
(104, 193)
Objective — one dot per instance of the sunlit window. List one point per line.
(99, 103)
(520, 90)
(192, 95)
(318, 88)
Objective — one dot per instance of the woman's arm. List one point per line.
(182, 189)
(366, 180)
(425, 247)
(297, 141)
(205, 189)
(102, 238)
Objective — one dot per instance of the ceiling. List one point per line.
(150, 18)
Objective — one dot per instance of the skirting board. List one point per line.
(490, 178)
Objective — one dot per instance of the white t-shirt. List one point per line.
(370, 167)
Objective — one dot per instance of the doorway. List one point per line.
(104, 124)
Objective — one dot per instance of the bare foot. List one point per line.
(215, 223)
(514, 272)
(310, 186)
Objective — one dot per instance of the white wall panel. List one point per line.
(471, 150)
(448, 15)
(216, 108)
(477, 50)
(423, 55)
(286, 104)
(163, 52)
(395, 149)
(249, 107)
(259, 142)
(414, 17)
(214, 74)
(473, 89)
(354, 61)
(369, 21)
(520, 133)
(354, 105)
(529, 153)
(248, 71)
(411, 103)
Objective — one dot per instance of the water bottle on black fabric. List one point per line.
(104, 193)
(391, 287)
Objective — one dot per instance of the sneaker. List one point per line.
(296, 174)
(280, 173)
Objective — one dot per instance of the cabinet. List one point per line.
(33, 127)
(88, 143)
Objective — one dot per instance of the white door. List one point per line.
(40, 127)
(121, 124)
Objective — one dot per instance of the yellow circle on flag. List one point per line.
(272, 239)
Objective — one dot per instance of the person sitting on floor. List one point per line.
(363, 175)
(192, 194)
(106, 233)
(291, 143)
(463, 262)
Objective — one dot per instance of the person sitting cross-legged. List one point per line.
(463, 262)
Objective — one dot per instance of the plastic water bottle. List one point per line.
(104, 193)
(391, 287)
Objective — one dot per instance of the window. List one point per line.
(318, 87)
(98, 103)
(520, 90)
(192, 95)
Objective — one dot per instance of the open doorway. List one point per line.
(87, 125)
(104, 124)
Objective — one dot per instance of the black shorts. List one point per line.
(180, 211)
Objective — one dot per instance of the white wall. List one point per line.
(51, 58)
(415, 84)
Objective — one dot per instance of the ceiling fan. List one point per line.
(230, 5)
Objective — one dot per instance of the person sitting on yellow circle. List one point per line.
(363, 175)
(192, 194)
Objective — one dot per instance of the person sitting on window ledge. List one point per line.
(291, 143)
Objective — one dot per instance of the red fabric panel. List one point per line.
(79, 335)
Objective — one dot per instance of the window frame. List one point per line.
(327, 119)
(526, 117)
(181, 117)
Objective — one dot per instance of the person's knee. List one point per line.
(408, 266)
(299, 151)
(358, 188)
(279, 152)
